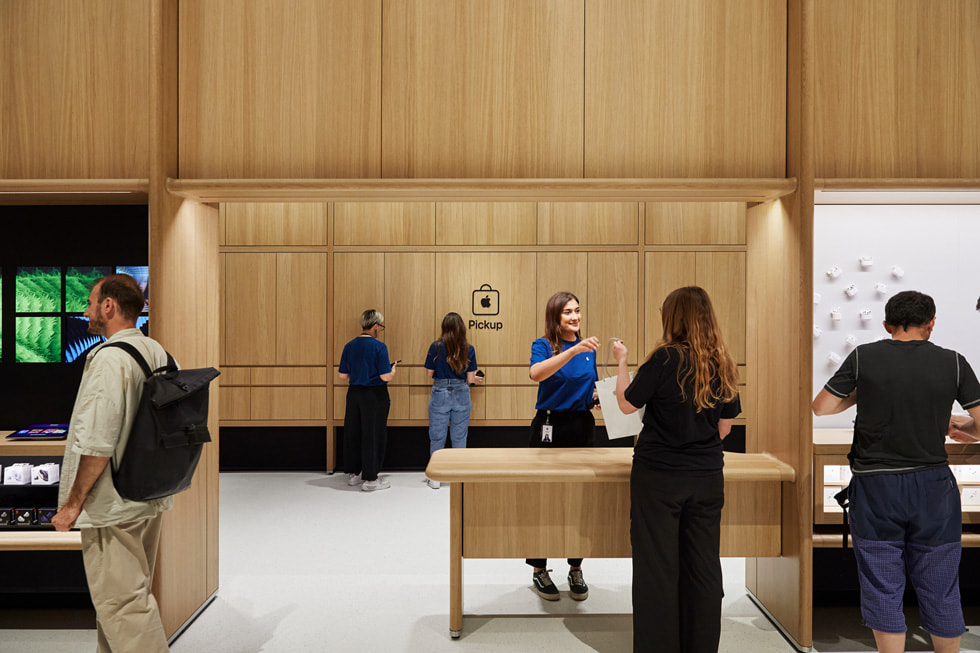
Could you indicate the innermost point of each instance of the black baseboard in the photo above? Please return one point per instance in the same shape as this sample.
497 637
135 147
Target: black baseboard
251 448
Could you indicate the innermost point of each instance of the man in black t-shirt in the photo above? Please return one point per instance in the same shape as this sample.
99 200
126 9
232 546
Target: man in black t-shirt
904 503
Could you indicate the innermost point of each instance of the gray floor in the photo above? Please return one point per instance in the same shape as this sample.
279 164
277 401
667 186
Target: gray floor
308 564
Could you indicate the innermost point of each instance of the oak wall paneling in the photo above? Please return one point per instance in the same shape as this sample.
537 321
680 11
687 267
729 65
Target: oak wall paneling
587 223
285 92
895 89
236 403
274 224
76 90
358 284
288 403
690 89
613 296
485 223
384 223
722 275
665 272
512 275
486 88
560 272
301 309
410 315
695 223
250 313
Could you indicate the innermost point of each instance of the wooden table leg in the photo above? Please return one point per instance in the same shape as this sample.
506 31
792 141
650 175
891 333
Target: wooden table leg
455 559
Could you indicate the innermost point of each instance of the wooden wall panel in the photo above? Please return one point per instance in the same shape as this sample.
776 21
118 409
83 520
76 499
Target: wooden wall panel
410 316
289 403
75 89
301 309
722 275
895 89
588 223
512 276
663 272
275 91
401 407
485 223
250 309
358 284
236 403
288 376
557 272
485 88
685 89
511 402
613 303
695 223
273 223
384 223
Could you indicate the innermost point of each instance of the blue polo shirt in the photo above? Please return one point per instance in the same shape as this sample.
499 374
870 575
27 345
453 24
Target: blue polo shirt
436 360
365 359
571 387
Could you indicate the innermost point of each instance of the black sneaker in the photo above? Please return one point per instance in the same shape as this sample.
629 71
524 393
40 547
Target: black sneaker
544 587
576 585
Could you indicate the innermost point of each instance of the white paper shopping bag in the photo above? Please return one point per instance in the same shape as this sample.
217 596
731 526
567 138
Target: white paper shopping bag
618 424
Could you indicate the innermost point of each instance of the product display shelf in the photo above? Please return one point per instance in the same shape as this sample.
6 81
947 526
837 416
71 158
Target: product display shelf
831 473
35 540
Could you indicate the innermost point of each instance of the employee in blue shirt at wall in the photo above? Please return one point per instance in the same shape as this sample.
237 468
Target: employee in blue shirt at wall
564 366
365 364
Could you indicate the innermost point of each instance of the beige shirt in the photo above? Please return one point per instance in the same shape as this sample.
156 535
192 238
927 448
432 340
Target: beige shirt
104 411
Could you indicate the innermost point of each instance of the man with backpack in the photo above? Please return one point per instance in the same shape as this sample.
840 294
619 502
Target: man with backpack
119 537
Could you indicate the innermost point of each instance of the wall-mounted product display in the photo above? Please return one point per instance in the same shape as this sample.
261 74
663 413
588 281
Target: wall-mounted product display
865 254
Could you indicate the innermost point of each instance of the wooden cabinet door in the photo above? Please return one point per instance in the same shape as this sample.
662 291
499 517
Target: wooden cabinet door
722 274
663 273
301 309
250 309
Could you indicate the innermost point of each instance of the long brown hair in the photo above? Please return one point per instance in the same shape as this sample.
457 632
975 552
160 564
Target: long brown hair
454 339
691 330
552 318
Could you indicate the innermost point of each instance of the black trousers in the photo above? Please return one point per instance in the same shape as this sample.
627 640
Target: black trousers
675 530
570 428
366 430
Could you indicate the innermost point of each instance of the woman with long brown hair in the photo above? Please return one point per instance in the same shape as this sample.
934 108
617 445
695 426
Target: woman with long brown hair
564 366
677 487
451 364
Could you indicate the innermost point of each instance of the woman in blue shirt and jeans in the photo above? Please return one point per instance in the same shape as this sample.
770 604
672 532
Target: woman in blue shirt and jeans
564 366
451 364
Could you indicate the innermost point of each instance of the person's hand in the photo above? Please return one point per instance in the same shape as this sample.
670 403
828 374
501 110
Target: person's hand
479 380
956 422
619 351
587 344
65 518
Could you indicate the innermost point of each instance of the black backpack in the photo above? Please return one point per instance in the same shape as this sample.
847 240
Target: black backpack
169 432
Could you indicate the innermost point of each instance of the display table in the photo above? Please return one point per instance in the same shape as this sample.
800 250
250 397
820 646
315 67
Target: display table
11 540
560 503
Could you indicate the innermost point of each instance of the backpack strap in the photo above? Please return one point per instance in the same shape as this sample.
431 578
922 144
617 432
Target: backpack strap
134 352
843 499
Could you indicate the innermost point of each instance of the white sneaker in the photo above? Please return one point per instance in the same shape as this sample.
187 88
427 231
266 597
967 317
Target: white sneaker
354 479
371 486
435 485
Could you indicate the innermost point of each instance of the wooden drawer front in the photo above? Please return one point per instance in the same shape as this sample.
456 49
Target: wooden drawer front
235 403
289 403
235 376
511 402
314 376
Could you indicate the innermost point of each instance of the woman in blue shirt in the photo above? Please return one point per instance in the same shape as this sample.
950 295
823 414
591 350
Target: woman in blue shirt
364 364
451 364
564 366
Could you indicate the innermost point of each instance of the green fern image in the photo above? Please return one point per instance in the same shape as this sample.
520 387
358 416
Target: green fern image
78 285
38 339
38 290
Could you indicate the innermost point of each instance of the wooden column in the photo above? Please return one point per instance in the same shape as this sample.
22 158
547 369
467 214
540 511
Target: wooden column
184 309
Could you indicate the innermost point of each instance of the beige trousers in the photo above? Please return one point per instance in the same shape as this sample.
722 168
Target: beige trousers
119 562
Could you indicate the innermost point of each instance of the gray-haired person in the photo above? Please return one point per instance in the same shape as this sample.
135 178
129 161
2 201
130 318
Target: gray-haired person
365 365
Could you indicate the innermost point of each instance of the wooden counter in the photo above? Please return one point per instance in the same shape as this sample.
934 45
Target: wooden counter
560 503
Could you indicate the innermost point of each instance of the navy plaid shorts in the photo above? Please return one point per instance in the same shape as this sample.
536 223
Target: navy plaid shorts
908 523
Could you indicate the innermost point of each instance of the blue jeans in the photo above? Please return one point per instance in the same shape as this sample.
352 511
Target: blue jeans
449 406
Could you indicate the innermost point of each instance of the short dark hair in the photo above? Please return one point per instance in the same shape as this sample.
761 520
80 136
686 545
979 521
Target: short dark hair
125 292
910 308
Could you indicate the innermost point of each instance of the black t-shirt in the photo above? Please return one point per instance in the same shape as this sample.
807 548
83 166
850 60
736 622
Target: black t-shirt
905 393
675 436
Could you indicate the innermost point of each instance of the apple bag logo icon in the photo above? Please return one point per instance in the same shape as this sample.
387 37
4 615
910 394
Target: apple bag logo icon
486 301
